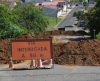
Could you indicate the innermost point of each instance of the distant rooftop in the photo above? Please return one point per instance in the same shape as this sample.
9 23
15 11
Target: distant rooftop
41 1
48 3
7 0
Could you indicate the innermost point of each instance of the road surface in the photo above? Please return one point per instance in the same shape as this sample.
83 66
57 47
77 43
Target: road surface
65 39
69 19
58 73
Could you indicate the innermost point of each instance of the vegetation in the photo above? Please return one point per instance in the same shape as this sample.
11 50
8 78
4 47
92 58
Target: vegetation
52 21
21 19
85 4
30 17
7 27
80 15
98 35
91 18
1 49
94 18
82 18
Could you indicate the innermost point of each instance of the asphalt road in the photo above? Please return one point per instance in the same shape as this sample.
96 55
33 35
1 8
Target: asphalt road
69 19
58 73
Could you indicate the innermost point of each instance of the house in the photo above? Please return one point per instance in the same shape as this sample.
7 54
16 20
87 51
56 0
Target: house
11 2
7 0
91 1
36 1
48 2
50 7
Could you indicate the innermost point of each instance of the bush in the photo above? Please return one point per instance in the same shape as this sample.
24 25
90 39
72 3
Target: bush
98 35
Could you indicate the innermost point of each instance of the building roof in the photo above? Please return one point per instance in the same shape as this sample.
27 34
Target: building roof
41 1
53 3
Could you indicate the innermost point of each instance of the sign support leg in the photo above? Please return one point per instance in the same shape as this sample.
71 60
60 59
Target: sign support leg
11 63
31 64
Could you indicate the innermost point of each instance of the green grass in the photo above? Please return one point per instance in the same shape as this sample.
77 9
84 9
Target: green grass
53 21
98 36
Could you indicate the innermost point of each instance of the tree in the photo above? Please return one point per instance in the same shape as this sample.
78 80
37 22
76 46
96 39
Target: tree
85 4
7 26
23 18
30 17
94 18
4 24
80 15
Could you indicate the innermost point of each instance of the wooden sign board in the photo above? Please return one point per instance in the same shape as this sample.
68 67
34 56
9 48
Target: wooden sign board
31 49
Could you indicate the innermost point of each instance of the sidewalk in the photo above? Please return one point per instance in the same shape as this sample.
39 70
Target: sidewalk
25 64
3 66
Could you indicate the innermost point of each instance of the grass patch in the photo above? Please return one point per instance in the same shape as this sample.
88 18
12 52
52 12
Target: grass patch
98 36
53 21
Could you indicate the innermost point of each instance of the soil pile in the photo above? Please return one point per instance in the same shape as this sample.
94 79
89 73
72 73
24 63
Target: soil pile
48 34
5 45
85 52
5 53
24 36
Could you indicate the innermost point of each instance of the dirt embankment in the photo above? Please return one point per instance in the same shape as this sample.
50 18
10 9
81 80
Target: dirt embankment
59 32
5 45
85 52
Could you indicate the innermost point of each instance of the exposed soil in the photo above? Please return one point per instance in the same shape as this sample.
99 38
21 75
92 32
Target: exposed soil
84 52
59 32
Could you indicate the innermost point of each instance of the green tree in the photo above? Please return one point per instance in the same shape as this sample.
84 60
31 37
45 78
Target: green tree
4 20
80 15
94 18
85 4
7 26
23 18
30 17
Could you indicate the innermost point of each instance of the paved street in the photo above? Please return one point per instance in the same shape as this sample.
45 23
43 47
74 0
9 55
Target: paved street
58 73
65 39
69 19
